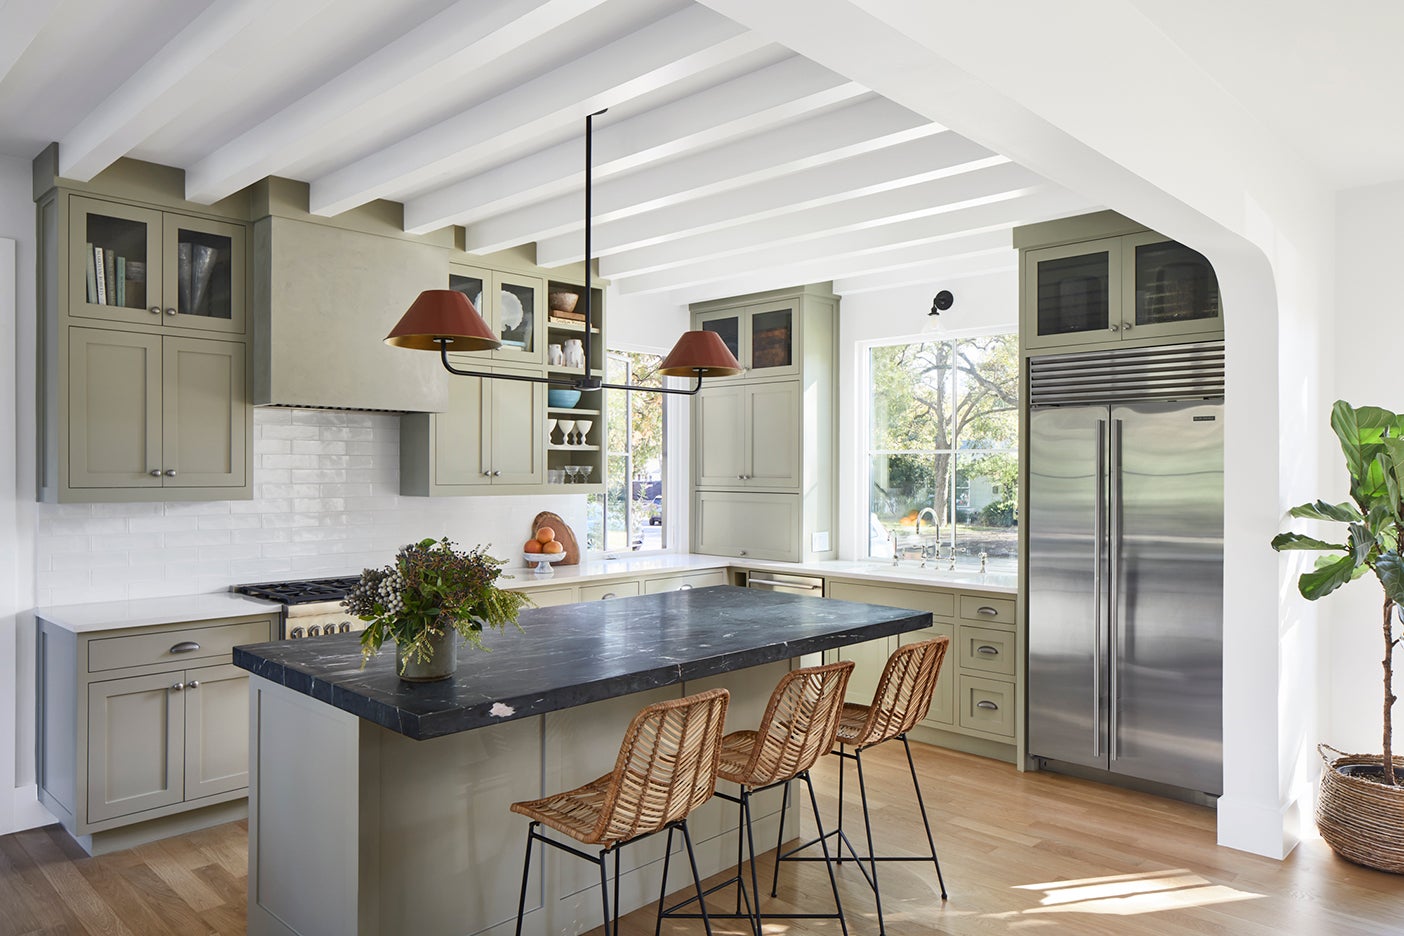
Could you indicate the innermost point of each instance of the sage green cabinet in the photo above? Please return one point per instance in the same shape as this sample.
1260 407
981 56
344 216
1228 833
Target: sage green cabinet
514 306
490 438
770 432
143 723
128 263
751 434
1132 286
155 411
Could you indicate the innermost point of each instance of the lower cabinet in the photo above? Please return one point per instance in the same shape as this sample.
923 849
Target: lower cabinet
142 724
975 694
747 525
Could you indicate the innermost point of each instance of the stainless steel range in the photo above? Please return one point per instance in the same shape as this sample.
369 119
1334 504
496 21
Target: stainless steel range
311 607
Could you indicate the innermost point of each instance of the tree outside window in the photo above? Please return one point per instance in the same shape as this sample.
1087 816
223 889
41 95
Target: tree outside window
631 514
944 436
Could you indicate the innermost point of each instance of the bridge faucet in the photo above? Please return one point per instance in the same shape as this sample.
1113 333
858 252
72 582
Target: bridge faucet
925 554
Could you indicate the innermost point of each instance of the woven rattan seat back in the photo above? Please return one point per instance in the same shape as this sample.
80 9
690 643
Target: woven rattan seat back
799 724
667 767
904 692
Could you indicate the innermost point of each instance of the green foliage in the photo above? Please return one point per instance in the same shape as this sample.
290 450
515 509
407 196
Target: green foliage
429 588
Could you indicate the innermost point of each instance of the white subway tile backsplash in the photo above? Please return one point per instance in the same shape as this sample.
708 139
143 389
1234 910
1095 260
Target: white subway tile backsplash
326 502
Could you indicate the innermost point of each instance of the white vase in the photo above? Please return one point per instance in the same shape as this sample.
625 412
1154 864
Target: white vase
574 353
554 356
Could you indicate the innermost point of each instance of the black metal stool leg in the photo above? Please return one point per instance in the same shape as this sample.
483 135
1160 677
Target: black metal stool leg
616 890
663 888
868 827
921 805
824 844
526 871
604 890
754 907
779 841
740 847
838 824
696 877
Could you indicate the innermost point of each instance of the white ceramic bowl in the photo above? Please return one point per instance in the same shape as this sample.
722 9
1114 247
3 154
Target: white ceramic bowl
542 561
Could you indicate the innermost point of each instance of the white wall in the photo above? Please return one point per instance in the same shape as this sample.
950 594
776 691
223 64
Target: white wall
1369 241
983 305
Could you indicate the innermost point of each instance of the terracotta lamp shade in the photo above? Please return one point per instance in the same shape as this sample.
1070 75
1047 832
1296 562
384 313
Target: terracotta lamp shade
442 313
700 354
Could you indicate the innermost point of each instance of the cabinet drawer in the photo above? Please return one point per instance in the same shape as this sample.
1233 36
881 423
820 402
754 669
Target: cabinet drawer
550 597
986 705
625 589
985 610
985 649
940 604
174 646
683 582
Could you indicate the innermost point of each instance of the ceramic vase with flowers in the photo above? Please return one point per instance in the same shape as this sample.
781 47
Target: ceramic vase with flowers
431 598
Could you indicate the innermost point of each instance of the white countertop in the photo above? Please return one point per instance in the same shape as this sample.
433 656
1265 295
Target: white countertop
114 615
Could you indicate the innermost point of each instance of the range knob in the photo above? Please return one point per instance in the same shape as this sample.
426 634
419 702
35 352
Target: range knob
314 630
295 633
345 627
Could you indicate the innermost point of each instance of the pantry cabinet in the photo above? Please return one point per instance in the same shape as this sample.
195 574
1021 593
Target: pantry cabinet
769 432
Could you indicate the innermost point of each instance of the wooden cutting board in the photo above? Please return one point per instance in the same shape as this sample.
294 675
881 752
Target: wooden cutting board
564 535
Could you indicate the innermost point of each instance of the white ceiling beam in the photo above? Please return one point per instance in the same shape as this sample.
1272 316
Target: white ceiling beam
985 263
868 124
23 20
906 164
165 85
712 117
437 53
676 47
927 272
856 251
873 213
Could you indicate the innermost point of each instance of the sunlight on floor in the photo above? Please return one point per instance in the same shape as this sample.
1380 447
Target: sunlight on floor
1129 894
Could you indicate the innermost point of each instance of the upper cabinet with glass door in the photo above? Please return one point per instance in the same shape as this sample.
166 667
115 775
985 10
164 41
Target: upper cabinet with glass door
764 338
514 306
149 267
1134 287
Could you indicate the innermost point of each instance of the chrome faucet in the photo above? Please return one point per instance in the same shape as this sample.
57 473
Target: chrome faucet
926 552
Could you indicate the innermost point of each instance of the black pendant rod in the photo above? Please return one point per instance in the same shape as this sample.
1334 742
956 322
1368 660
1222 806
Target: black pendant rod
589 214
573 383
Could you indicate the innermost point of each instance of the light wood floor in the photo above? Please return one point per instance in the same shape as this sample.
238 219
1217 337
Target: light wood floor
1022 853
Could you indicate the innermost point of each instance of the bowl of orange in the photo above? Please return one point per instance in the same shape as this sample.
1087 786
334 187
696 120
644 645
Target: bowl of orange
542 550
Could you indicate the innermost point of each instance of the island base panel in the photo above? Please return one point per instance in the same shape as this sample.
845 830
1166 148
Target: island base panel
356 829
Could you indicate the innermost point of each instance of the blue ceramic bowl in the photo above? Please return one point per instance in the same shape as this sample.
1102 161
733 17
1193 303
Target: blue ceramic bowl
562 398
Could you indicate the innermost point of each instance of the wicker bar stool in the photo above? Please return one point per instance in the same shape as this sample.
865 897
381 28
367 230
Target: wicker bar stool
667 767
902 699
798 727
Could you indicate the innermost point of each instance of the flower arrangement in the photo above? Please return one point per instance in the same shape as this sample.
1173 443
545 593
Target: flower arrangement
430 588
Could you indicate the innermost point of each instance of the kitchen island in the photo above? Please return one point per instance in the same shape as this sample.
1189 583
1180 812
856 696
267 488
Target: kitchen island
382 807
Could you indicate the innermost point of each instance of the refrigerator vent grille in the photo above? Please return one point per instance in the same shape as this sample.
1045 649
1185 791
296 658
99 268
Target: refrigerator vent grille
1167 372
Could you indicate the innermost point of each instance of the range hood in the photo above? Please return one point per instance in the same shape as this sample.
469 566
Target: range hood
323 298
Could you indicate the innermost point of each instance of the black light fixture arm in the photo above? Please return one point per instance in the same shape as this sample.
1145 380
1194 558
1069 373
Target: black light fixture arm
583 384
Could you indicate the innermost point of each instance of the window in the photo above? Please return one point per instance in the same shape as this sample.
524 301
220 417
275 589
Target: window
632 513
943 447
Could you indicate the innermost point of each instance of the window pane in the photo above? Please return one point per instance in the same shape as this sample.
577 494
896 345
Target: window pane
902 489
616 510
986 497
911 397
987 392
635 462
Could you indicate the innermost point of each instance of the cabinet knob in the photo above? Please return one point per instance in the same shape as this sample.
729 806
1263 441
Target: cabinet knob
497 474
170 311
155 310
487 474
1115 328
193 684
170 472
178 686
155 472
1125 326
741 552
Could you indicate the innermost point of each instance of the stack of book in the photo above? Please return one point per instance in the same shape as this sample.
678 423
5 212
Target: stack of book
566 318
114 280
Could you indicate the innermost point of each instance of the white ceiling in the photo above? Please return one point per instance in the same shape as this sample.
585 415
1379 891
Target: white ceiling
1326 77
725 164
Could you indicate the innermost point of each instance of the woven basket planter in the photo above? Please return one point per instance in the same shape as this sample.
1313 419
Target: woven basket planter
1362 821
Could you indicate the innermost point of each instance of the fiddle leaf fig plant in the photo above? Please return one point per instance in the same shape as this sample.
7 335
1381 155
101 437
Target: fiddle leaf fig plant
1372 440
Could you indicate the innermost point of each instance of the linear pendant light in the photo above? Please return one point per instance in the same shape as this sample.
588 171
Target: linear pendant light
441 319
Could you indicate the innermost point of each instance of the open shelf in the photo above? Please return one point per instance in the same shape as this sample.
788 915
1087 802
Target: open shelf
572 448
576 411
576 327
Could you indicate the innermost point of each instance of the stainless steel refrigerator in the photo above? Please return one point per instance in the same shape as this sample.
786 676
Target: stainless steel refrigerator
1125 563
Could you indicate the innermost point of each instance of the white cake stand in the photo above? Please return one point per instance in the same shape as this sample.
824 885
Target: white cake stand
543 561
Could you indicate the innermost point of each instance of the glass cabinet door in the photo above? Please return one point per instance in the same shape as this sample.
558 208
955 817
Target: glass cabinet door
520 304
203 274
1170 289
770 341
1073 290
727 325
114 262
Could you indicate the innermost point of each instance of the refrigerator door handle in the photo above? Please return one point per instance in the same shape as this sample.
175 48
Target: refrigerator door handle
1098 525
1113 618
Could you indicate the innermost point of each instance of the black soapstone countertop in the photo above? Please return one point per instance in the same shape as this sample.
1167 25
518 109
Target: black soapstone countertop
575 654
